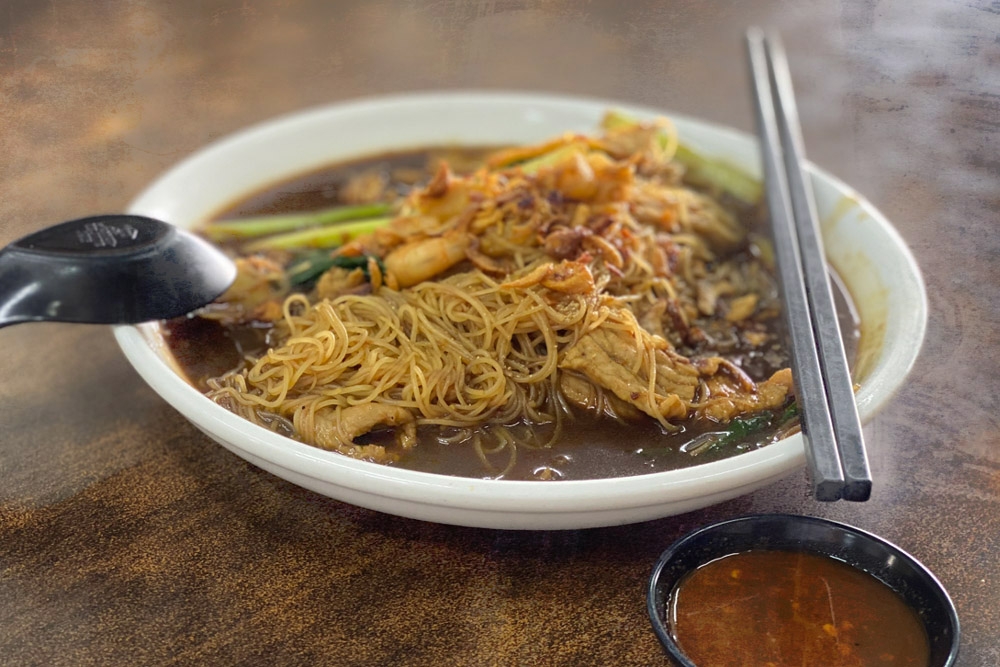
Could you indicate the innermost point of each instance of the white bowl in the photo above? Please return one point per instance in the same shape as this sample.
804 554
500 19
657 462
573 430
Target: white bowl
873 260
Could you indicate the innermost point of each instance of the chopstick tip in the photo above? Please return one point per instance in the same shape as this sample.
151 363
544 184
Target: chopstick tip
754 34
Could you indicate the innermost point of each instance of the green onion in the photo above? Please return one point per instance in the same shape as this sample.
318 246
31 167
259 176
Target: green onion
253 227
719 173
702 170
548 159
317 237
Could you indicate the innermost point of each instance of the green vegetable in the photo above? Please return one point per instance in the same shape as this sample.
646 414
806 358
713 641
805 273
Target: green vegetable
245 228
742 428
789 413
310 267
737 430
317 237
719 173
702 170
552 157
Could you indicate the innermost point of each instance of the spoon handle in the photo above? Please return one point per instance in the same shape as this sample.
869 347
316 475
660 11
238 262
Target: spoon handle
16 290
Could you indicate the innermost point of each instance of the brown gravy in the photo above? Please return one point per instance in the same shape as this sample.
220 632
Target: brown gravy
777 608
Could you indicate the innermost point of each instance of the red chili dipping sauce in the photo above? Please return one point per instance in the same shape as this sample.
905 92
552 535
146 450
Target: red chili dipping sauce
778 608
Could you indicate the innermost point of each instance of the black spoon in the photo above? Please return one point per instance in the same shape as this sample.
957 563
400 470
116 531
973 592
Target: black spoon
109 269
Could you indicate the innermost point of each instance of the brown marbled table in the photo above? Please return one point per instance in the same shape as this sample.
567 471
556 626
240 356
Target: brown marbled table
128 537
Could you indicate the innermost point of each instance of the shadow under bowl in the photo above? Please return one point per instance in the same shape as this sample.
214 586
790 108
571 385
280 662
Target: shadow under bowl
913 582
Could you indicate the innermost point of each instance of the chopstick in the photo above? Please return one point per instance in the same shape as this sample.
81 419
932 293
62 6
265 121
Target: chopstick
835 448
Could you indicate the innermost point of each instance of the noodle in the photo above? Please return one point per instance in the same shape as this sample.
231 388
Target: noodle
498 304
440 348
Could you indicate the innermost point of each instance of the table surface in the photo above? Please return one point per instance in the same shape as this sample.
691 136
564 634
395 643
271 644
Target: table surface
128 537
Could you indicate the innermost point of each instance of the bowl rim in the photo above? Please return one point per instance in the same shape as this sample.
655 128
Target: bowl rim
655 594
522 496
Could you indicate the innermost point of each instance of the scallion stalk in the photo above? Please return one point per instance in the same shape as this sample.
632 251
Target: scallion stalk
317 237
702 170
265 225
551 158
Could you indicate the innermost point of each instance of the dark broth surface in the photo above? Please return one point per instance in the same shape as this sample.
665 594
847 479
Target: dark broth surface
778 608
588 447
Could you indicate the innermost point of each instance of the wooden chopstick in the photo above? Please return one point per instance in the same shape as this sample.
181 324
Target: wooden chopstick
835 447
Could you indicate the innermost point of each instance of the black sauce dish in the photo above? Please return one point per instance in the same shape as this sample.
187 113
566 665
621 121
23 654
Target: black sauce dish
913 582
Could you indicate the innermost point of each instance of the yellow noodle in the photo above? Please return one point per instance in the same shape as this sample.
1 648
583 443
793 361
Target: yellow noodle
463 352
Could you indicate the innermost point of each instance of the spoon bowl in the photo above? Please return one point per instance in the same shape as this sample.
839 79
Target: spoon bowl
109 269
